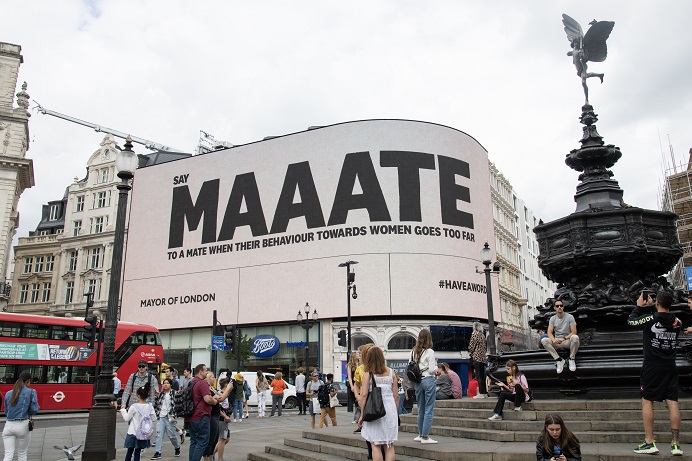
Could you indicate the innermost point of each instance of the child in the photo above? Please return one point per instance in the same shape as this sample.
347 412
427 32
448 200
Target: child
134 414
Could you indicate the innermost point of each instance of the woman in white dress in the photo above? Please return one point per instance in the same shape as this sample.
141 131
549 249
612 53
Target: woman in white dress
383 432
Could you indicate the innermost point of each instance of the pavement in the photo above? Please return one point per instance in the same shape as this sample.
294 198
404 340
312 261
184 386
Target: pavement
253 434
250 435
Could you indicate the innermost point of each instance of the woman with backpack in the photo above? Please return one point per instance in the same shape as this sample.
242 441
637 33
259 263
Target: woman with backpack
165 409
141 416
20 404
238 397
424 356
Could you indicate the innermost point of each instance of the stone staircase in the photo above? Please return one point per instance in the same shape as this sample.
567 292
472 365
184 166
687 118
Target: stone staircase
607 429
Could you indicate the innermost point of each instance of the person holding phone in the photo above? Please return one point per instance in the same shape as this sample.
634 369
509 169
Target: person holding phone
562 334
556 442
516 390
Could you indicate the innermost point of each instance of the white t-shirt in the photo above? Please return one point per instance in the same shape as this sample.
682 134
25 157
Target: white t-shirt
132 413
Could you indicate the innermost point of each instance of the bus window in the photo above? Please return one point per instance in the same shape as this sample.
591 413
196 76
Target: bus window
37 373
10 329
56 374
137 338
35 331
7 374
151 338
60 332
82 375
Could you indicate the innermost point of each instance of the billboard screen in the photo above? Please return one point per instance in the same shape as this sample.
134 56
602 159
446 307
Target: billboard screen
258 230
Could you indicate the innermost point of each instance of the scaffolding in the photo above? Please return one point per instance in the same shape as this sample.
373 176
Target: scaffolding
676 196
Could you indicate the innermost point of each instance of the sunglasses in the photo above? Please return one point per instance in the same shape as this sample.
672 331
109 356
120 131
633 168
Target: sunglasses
559 305
142 366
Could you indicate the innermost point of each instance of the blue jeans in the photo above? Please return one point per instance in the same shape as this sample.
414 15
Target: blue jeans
238 407
199 438
425 396
402 399
165 425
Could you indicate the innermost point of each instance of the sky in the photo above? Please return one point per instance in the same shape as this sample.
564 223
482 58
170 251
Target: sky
498 71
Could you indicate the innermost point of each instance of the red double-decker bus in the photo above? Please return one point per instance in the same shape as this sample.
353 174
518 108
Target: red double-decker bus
53 350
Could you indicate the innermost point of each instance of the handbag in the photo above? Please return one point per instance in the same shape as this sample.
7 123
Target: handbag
374 406
413 372
31 423
333 401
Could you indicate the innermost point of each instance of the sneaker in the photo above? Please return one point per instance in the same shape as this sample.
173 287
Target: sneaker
428 440
235 421
157 455
560 365
177 452
418 439
572 365
182 437
647 448
480 396
517 409
675 450
495 417
357 430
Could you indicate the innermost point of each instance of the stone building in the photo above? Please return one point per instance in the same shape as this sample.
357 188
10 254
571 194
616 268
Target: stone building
16 171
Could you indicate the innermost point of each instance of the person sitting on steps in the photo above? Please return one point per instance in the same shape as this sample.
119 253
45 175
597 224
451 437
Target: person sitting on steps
562 334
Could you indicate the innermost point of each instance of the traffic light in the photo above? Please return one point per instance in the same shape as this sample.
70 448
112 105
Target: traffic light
229 336
90 330
342 338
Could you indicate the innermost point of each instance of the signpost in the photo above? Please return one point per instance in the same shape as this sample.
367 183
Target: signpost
218 344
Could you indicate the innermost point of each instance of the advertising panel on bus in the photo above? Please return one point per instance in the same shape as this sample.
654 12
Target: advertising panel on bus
253 229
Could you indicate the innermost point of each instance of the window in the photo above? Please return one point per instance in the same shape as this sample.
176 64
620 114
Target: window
93 286
102 199
73 261
77 227
80 204
33 330
95 258
23 293
402 341
54 213
39 264
104 175
10 329
360 340
97 224
34 292
43 232
69 291
49 263
28 264
45 297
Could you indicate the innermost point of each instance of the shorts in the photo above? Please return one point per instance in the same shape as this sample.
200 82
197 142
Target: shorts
659 384
224 432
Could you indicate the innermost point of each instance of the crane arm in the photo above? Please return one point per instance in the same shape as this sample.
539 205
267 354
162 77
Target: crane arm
102 129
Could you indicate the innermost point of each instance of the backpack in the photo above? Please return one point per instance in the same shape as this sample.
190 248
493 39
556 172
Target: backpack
146 425
323 395
185 402
131 383
247 390
413 372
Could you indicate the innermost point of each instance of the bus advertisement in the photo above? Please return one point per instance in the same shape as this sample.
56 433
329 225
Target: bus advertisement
62 367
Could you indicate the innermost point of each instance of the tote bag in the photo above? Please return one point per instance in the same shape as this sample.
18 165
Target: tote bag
374 406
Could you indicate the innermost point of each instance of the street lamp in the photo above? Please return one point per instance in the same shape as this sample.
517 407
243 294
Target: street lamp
350 283
486 257
307 323
100 436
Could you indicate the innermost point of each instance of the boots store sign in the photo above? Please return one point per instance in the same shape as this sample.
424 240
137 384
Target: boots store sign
255 230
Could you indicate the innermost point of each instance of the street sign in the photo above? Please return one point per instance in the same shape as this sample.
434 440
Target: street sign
218 344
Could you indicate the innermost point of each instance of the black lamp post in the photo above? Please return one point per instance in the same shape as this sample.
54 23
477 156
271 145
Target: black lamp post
307 323
486 257
350 283
100 436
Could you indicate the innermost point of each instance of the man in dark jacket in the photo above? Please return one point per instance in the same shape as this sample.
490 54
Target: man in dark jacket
659 375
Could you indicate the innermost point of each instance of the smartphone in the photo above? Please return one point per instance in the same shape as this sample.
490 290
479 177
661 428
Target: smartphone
646 294
556 451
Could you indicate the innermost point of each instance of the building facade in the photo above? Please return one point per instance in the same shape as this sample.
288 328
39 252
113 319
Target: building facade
16 171
677 197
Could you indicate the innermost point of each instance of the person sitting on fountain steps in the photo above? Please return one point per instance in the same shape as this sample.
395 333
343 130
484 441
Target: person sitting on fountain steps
562 334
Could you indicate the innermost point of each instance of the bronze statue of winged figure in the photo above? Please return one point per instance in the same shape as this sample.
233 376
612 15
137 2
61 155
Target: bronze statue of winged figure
590 47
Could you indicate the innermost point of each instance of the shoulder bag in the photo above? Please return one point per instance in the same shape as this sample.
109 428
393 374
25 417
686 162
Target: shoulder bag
374 406
413 372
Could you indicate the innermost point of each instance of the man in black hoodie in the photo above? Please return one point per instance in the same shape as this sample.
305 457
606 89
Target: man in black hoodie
659 376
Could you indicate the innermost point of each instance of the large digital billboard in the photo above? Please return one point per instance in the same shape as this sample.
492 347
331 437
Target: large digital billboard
258 230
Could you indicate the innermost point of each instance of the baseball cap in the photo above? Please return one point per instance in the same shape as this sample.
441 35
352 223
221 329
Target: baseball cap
142 362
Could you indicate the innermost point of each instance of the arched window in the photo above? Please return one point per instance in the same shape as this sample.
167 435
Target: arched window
360 340
401 341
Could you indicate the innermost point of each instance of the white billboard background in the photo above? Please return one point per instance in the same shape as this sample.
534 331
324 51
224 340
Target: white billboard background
397 274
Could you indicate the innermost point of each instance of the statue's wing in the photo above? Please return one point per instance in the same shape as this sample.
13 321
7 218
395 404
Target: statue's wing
595 49
572 28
